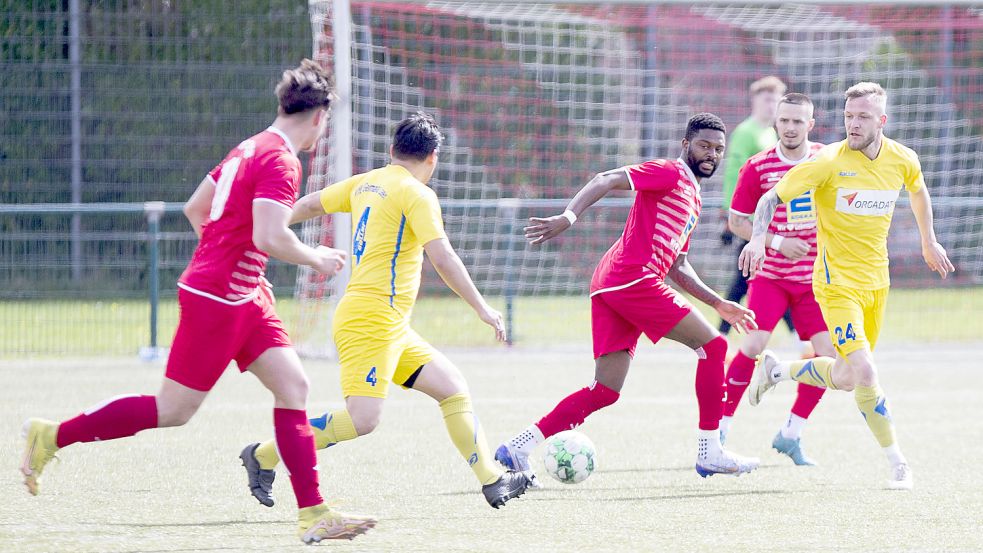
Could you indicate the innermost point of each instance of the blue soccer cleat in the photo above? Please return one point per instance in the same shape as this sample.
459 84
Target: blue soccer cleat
513 459
792 448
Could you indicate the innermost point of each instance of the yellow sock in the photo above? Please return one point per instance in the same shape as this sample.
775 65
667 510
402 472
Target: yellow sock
817 371
329 429
469 438
873 405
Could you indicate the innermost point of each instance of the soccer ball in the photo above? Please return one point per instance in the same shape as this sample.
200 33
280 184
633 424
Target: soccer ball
569 457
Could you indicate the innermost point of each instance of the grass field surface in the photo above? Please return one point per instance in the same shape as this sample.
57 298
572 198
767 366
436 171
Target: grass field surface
182 489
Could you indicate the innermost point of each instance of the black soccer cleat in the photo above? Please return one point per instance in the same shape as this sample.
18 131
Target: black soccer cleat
260 480
512 484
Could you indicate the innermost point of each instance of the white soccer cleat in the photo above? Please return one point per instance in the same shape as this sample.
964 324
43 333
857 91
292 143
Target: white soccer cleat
725 462
513 459
901 477
761 380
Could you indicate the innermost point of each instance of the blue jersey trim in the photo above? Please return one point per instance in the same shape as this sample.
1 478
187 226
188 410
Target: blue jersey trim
399 242
825 266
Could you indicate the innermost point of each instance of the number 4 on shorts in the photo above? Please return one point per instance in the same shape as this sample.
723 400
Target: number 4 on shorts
371 378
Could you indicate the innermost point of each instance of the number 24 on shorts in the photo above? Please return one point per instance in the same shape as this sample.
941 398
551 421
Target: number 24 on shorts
842 337
371 378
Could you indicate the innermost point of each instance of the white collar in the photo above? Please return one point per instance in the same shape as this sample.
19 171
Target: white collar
283 135
689 173
781 156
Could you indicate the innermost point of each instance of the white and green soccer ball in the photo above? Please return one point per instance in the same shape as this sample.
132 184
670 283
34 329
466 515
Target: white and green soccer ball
569 457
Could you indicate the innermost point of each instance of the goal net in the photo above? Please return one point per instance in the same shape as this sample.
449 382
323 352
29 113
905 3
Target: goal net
535 98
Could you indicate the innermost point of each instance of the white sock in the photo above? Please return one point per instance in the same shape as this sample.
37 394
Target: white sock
725 424
708 443
527 440
894 455
781 371
793 427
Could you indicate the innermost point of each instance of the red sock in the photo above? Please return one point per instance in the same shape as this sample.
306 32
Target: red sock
117 417
806 400
710 383
740 371
295 442
573 409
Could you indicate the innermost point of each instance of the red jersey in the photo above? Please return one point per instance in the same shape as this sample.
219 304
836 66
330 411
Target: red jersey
796 219
663 215
227 266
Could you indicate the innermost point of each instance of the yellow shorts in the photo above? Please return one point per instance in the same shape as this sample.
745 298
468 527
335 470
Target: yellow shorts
376 346
853 316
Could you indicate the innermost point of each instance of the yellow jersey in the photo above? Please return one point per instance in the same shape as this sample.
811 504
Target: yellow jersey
854 199
393 216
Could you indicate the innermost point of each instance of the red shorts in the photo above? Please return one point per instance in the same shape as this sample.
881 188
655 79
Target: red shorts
769 298
210 334
619 317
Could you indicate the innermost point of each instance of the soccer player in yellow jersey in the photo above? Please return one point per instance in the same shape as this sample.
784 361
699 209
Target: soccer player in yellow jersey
395 218
855 184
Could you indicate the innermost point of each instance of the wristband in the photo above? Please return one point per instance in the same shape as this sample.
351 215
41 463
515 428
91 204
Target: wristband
776 241
570 216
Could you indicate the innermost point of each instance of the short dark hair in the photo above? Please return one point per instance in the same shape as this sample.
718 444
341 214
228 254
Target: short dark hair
704 121
305 88
416 137
796 99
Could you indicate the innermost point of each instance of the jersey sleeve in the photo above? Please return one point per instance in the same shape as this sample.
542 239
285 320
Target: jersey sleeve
808 175
656 175
423 216
337 198
914 179
278 180
748 190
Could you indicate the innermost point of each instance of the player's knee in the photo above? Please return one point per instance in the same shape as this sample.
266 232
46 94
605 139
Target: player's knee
365 421
292 391
174 415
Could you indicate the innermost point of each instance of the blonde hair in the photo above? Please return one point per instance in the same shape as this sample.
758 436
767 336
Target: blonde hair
770 83
861 90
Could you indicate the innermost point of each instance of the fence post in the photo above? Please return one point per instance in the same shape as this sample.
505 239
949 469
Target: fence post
153 211
509 208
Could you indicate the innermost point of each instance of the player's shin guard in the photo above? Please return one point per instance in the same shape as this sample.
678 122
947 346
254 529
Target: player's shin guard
329 429
817 371
806 400
573 409
710 382
118 417
738 377
295 441
469 438
873 406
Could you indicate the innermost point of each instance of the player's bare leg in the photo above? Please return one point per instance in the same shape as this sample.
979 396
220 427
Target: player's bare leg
441 380
711 348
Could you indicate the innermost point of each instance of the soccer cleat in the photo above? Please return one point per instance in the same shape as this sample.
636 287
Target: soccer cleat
324 523
260 479
514 459
727 463
761 380
901 477
792 448
512 484
40 435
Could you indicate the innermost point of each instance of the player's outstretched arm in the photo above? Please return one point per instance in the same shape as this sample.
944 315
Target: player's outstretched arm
753 254
543 229
271 234
455 274
198 206
683 274
933 252
306 208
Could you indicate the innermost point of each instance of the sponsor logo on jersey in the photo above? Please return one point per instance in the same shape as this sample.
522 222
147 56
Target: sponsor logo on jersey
848 173
866 202
802 210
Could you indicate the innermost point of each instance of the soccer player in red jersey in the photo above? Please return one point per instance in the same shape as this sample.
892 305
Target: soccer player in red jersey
240 211
785 280
630 296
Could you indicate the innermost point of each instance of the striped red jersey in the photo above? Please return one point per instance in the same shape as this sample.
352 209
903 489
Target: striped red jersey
795 219
666 207
227 266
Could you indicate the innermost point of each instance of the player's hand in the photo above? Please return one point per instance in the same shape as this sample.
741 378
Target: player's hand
937 259
737 315
794 248
541 230
493 318
329 260
752 256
